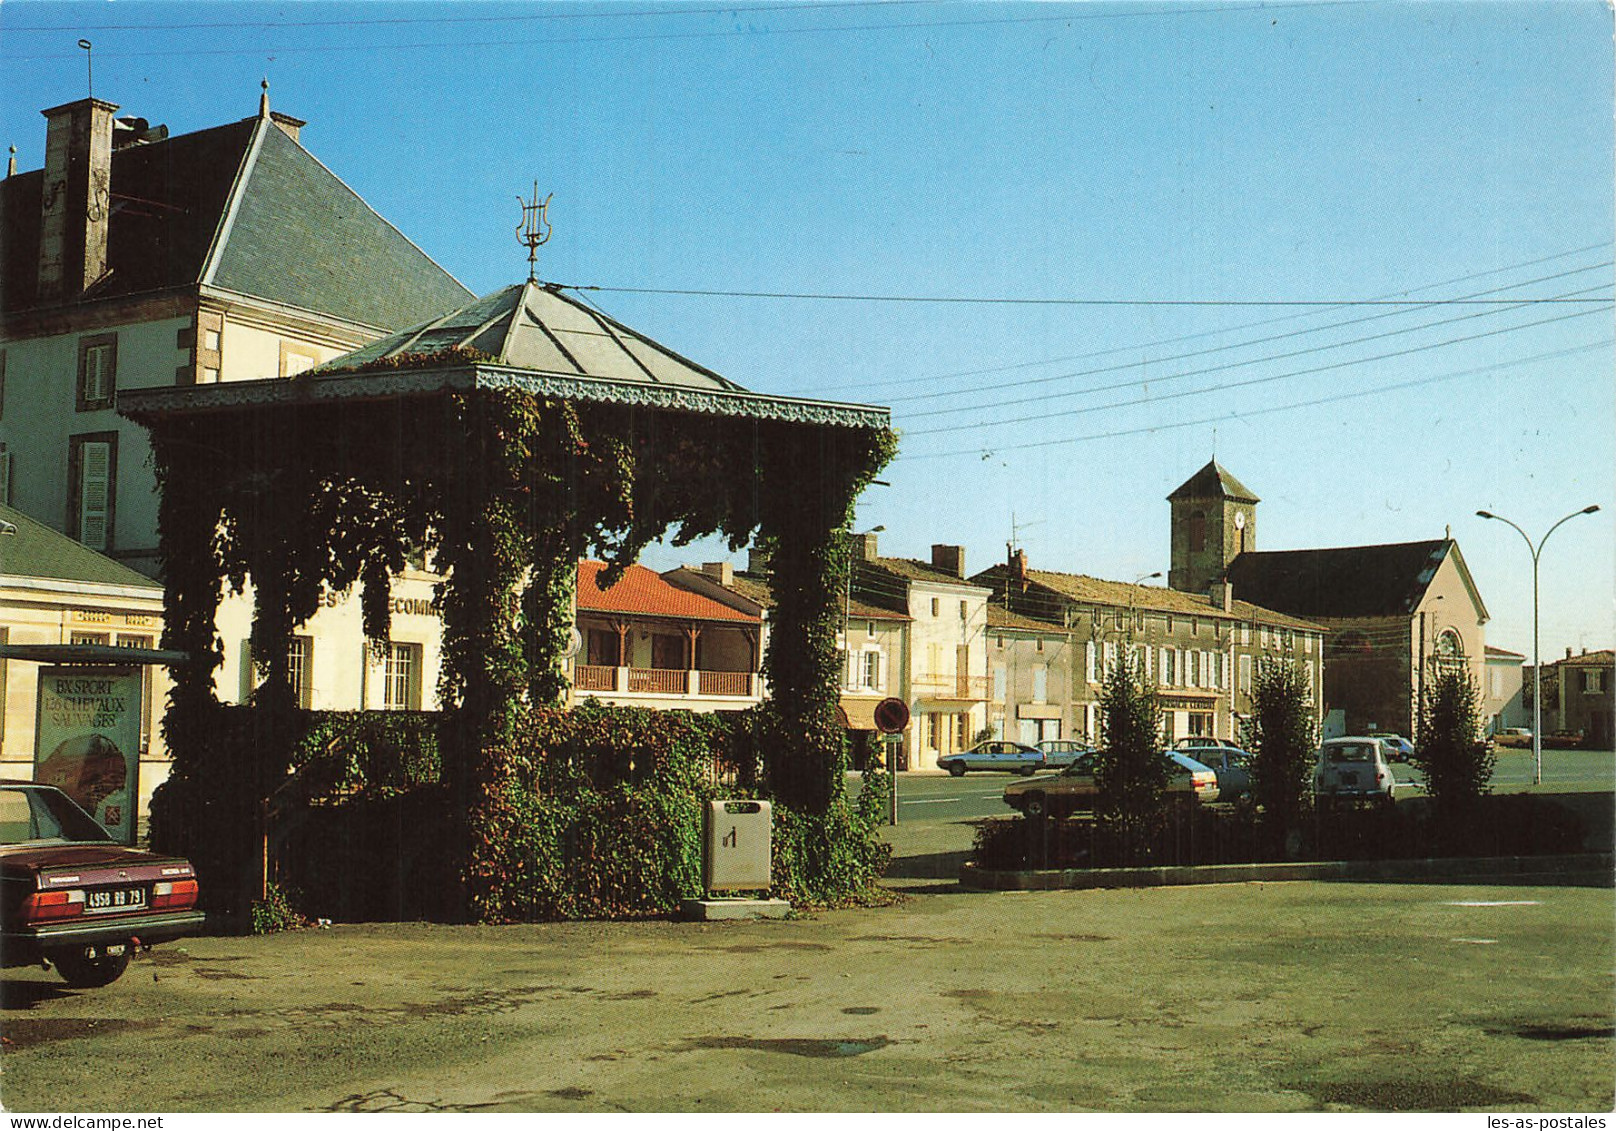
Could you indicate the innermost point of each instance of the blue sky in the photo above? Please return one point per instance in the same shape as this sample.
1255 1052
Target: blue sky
1126 183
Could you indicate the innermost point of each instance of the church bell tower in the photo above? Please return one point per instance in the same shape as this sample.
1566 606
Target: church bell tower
1214 521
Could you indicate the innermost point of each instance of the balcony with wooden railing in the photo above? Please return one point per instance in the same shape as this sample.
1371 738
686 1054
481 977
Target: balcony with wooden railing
663 683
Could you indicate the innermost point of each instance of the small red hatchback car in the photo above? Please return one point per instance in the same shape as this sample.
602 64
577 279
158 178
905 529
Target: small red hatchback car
72 896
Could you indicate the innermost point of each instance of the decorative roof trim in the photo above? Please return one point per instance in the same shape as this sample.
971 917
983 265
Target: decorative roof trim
140 404
680 398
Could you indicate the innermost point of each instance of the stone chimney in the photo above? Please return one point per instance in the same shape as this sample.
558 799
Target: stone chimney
949 559
290 126
864 547
75 198
757 561
1222 595
721 572
1018 567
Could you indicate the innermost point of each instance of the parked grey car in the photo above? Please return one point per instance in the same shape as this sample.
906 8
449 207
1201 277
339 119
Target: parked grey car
1062 752
1398 748
1231 764
1354 769
997 754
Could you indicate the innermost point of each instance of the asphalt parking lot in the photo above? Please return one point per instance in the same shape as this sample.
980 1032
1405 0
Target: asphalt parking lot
1254 997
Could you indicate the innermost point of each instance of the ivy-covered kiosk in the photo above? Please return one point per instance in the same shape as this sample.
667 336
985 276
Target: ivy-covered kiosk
505 439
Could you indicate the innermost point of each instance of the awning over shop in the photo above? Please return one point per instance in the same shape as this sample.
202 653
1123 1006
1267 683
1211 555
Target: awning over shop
109 655
856 714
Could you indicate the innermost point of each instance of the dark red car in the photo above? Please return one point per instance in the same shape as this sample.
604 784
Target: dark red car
72 896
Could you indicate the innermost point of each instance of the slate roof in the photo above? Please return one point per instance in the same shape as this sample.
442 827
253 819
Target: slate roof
536 327
301 237
244 208
644 592
1343 582
38 551
1082 590
1214 482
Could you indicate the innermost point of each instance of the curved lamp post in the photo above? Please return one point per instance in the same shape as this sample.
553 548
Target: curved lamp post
1143 577
1537 663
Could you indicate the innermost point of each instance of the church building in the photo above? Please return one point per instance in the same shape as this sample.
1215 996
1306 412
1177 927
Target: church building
1395 613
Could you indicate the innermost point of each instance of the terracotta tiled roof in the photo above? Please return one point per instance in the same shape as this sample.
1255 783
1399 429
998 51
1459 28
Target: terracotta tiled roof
1503 653
911 570
754 588
1000 617
643 592
1603 658
1081 590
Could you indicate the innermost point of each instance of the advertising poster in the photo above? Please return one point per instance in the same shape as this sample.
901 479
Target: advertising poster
88 741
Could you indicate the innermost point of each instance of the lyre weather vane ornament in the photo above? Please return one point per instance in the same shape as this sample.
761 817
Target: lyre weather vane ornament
534 230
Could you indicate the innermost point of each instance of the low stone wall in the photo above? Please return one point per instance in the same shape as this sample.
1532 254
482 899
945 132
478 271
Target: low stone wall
1592 869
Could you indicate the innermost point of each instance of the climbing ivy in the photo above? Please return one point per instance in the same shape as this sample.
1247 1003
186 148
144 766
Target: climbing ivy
504 491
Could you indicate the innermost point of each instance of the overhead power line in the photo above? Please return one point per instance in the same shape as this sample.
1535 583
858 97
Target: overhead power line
1004 300
989 451
1045 398
751 30
526 17
1156 399
1173 341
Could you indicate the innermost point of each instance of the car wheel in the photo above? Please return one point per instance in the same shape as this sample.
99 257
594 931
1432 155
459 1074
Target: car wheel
88 973
957 769
1034 806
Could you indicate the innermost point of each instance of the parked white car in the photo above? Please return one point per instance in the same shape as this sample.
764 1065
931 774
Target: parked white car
1354 769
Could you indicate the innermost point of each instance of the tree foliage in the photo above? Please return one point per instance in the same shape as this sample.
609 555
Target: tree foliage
1282 736
1448 747
504 491
1130 773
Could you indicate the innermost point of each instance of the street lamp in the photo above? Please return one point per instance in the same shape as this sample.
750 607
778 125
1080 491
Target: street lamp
1537 662
1131 595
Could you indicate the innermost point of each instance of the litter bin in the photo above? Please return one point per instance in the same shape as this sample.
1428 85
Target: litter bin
738 845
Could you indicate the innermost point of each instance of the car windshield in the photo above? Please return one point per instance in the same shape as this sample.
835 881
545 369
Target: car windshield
35 814
1350 752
